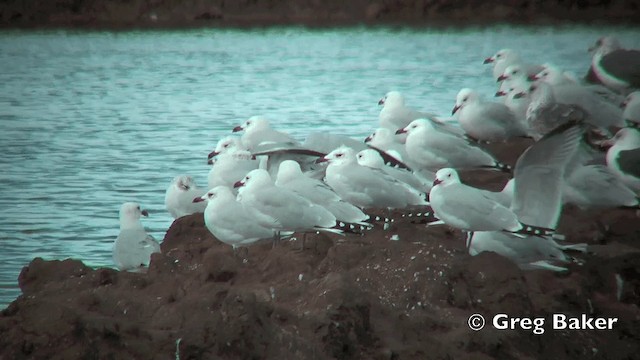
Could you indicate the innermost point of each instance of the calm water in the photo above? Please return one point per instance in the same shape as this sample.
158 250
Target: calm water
89 120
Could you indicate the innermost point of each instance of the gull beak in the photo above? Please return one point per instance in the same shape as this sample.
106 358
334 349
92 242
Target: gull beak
519 95
144 213
212 154
368 139
502 77
455 109
624 103
488 60
436 182
401 131
238 184
533 77
381 101
237 128
210 161
606 144
198 199
500 93
321 160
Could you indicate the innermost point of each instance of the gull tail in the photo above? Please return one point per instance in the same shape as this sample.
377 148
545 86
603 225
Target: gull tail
532 230
353 228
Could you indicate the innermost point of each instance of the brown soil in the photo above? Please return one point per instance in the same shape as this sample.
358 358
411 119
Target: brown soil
351 297
179 13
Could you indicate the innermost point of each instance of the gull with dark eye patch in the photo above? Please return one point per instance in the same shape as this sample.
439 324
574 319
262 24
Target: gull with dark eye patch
179 195
133 248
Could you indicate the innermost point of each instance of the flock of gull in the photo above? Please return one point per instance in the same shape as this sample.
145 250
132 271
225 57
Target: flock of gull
265 184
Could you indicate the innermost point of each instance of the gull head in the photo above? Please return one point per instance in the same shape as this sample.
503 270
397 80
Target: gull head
255 178
512 72
503 55
415 126
605 45
446 176
217 193
626 138
464 97
391 99
131 212
183 182
288 170
370 158
632 98
550 74
254 123
225 145
381 136
340 156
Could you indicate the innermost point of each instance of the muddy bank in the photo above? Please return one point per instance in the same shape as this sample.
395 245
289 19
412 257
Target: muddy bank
194 13
352 297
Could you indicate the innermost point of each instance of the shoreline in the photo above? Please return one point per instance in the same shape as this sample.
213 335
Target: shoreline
164 15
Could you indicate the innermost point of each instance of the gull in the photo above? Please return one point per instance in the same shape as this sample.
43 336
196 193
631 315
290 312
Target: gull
470 209
601 113
371 158
366 187
395 114
485 120
257 131
554 76
432 148
291 177
505 57
178 199
631 105
280 209
231 166
133 248
385 139
623 157
537 200
226 145
544 113
229 221
595 186
514 76
615 67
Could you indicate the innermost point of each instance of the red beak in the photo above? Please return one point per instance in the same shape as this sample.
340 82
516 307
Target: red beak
212 154
321 160
488 60
519 95
238 184
500 93
238 128
368 139
381 102
198 199
455 109
401 131
502 78
436 182
533 77
623 104
144 213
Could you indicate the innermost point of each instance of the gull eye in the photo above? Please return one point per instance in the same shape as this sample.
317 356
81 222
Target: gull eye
338 155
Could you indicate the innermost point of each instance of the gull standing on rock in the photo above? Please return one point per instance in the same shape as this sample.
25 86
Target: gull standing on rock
485 120
290 177
178 199
280 209
432 148
470 209
366 187
229 221
133 248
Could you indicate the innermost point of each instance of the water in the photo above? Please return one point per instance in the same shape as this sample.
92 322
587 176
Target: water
89 120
